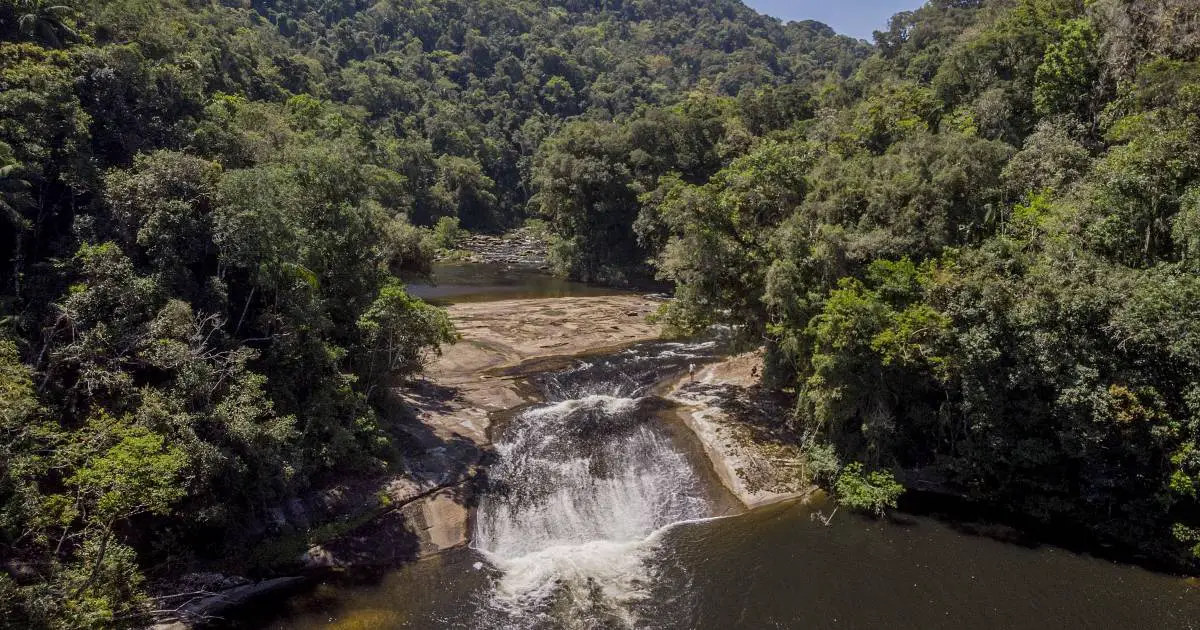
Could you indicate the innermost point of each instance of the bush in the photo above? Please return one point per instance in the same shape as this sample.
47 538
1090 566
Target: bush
822 463
447 233
537 227
867 492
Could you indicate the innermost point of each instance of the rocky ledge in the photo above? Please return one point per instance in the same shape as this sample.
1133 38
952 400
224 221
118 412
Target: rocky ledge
740 425
524 246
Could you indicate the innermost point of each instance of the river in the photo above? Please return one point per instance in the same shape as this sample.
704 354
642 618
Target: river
601 513
469 282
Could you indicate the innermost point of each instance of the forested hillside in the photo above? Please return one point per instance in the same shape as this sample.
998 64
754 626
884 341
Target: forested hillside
971 249
209 210
974 262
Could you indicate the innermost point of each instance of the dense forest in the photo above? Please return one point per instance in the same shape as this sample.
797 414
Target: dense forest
974 262
209 211
970 248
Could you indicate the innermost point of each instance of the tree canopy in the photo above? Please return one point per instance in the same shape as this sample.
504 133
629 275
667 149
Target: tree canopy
970 247
972 261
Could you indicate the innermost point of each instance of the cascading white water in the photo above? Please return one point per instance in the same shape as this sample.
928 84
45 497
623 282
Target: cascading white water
582 488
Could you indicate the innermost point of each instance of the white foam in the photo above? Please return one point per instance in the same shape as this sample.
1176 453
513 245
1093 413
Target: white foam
608 404
581 521
615 569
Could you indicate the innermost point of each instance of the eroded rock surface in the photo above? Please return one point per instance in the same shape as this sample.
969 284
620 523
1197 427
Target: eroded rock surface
742 428
474 377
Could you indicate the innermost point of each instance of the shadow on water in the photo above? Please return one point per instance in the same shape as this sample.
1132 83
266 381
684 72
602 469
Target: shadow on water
971 518
778 568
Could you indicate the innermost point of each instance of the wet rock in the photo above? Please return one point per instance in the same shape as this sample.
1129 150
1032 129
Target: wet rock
519 247
422 527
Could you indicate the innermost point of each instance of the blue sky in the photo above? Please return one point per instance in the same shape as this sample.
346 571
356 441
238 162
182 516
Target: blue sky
857 18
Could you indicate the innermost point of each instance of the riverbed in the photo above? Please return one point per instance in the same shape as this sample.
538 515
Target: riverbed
600 512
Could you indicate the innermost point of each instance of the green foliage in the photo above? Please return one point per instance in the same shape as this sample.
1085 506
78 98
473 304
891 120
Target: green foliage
461 190
19 429
1069 71
447 233
822 464
197 227
1185 228
1051 160
586 191
970 249
874 492
137 474
397 328
974 256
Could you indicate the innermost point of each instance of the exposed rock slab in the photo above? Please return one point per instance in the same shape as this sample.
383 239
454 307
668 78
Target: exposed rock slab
445 519
427 525
468 382
741 428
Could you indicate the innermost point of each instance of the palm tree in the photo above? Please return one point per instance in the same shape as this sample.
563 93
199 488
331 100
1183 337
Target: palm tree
45 22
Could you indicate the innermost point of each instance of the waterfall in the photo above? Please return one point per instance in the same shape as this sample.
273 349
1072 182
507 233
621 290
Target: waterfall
583 486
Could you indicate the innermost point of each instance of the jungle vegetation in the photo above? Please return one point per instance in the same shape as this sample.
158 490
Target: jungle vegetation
209 210
970 247
974 262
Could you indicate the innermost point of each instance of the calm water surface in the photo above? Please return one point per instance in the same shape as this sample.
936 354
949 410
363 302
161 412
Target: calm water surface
460 282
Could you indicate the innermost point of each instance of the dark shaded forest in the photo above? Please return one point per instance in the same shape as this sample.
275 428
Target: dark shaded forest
970 247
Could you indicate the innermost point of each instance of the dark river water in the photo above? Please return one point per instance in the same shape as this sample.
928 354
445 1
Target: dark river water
777 568
480 282
603 515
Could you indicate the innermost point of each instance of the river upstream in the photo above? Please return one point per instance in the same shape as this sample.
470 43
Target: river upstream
601 512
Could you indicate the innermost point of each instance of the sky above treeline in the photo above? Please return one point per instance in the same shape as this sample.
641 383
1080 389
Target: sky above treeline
857 18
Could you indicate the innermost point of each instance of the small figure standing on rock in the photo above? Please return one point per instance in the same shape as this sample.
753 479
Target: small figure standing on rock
691 371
